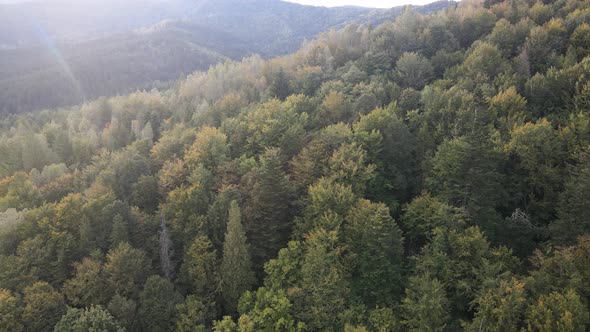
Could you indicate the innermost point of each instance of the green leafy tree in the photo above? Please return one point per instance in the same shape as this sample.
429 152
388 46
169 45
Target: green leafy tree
312 161
157 305
390 146
124 169
384 319
540 12
412 70
144 193
376 245
448 114
266 310
13 275
463 261
500 308
348 166
334 108
558 312
125 312
172 144
542 44
509 110
125 270
425 307
541 152
225 325
236 268
184 211
509 37
36 152
276 124
466 173
561 268
326 206
94 318
285 271
580 40
10 312
209 149
194 314
484 62
88 285
44 306
35 256
172 175
425 214
19 192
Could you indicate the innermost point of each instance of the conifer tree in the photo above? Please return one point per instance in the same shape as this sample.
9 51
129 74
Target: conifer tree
324 283
236 267
279 87
269 219
199 269
119 233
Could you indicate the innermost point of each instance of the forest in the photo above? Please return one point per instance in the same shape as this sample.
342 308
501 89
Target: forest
56 53
431 173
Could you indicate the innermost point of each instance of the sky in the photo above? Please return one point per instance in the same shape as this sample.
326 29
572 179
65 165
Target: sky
331 3
363 3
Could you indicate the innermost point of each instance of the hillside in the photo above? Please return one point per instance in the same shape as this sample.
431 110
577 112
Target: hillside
58 53
431 173
29 22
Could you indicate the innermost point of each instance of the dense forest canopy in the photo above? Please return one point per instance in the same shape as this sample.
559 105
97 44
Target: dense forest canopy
428 174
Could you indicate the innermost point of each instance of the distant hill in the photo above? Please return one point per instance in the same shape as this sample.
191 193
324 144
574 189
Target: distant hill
28 23
57 53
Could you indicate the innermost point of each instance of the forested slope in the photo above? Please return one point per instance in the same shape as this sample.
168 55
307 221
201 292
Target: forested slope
430 174
56 53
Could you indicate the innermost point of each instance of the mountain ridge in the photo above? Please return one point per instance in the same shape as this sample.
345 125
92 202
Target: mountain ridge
184 37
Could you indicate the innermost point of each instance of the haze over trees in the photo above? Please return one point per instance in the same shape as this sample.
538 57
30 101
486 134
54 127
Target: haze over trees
56 53
427 174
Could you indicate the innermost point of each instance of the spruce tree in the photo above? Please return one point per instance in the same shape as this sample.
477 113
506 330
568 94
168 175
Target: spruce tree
269 218
119 233
279 87
199 269
236 268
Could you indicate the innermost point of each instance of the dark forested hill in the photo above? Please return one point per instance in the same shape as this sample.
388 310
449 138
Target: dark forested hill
59 53
430 173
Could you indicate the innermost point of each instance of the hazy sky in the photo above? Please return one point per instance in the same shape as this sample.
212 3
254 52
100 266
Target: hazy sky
364 3
329 3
